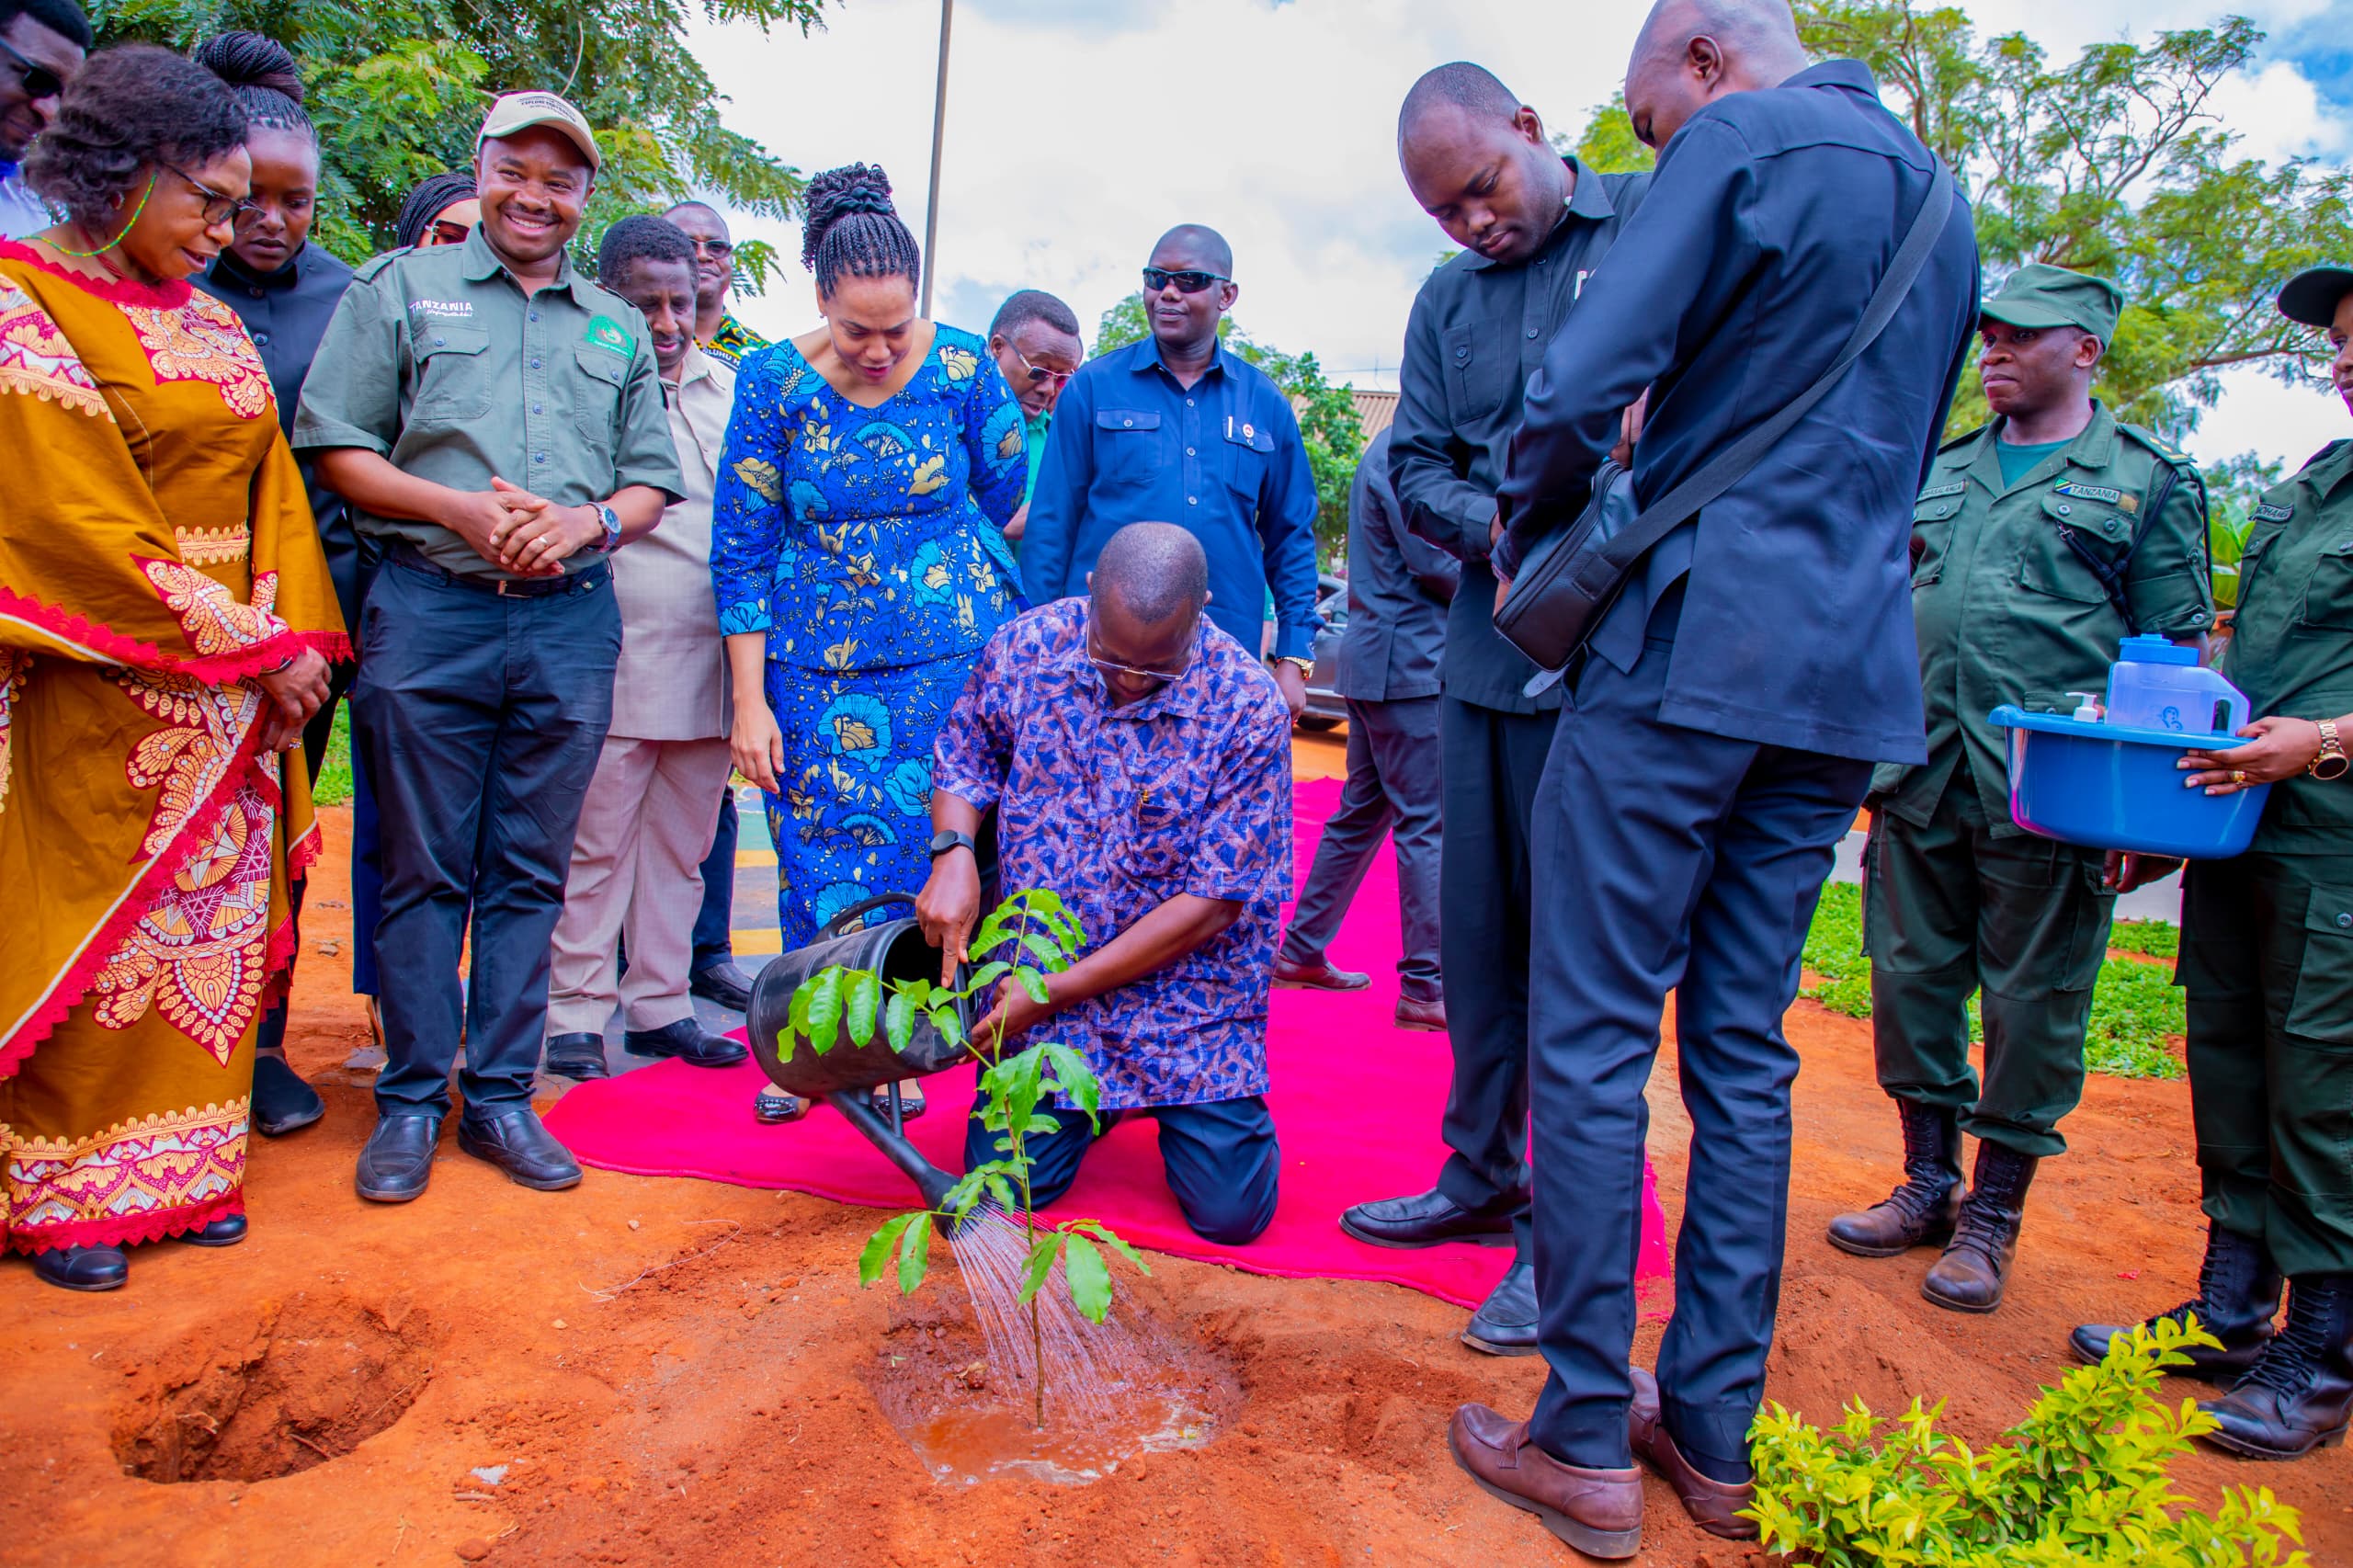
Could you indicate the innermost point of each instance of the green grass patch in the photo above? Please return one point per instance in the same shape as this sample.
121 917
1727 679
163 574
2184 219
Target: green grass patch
333 786
2136 1008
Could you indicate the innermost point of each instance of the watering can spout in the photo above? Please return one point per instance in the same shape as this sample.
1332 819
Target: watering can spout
859 1112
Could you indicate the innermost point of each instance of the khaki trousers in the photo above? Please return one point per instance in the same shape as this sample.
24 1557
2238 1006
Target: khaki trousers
636 878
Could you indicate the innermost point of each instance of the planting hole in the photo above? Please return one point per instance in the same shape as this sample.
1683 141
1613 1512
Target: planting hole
250 1400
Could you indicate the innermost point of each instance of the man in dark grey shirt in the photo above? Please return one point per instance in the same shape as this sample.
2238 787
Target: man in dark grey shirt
1532 226
1398 590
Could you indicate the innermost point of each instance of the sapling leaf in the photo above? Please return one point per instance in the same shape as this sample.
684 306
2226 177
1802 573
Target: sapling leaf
1034 984
825 1009
1090 1282
870 1261
864 999
1110 1238
1049 953
1040 1123
1040 1264
1076 1079
797 1014
988 975
899 1022
784 1045
959 1199
914 1252
1002 1190
950 1026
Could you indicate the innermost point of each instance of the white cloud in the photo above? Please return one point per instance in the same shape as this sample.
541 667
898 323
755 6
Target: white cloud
1077 132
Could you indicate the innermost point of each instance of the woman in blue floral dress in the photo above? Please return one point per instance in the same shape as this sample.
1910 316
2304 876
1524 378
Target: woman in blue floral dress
858 556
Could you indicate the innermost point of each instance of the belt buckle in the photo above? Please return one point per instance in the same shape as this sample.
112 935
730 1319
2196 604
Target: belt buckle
504 584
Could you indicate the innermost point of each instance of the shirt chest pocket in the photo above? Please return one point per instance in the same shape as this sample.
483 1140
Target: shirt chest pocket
452 375
2049 563
596 394
1127 445
1151 851
1250 452
1482 363
1932 529
2329 598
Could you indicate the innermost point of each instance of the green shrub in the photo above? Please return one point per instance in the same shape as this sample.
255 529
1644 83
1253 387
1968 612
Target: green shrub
333 786
2082 1480
2136 1008
2156 938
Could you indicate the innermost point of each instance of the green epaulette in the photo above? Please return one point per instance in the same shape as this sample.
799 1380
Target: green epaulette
366 271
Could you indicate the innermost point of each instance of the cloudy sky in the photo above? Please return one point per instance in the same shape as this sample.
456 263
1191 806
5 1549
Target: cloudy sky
1079 129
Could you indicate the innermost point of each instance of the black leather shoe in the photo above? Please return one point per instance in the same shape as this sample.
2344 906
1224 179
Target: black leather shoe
2298 1394
724 983
518 1143
225 1232
1505 1324
578 1057
282 1102
689 1042
2238 1295
1424 1220
83 1268
398 1160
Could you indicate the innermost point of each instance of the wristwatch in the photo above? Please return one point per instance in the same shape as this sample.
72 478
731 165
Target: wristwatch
2332 762
612 521
1304 666
948 838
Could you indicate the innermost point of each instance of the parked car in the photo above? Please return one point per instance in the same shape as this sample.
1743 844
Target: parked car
1325 707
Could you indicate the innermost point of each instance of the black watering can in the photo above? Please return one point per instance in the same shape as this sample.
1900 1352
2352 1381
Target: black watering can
846 1075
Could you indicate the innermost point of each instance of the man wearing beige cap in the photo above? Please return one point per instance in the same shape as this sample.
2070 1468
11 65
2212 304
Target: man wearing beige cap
2038 542
495 421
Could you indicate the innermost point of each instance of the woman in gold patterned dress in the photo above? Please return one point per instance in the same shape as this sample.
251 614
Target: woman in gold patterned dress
163 613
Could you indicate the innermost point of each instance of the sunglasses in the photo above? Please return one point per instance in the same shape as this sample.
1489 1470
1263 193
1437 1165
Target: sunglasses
1155 278
1040 375
40 81
718 250
1113 666
218 206
448 232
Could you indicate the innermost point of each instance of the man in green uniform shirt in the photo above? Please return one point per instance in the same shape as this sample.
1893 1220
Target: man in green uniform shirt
2267 958
2037 542
495 420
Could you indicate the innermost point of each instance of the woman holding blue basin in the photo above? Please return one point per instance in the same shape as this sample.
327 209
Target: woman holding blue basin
2266 959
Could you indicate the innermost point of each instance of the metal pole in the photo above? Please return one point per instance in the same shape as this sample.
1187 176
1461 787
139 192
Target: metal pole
938 130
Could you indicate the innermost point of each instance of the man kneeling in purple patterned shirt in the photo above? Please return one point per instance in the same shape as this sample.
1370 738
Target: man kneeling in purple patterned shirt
1139 759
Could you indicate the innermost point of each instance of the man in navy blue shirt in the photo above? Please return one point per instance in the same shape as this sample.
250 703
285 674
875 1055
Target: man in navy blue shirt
1720 734
1176 428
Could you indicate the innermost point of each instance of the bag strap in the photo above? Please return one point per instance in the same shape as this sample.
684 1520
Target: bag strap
1655 521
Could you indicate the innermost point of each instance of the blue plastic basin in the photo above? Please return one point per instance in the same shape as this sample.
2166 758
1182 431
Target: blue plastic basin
2110 788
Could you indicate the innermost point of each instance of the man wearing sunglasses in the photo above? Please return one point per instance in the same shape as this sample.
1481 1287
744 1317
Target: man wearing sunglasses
1035 342
716 329
41 45
1178 428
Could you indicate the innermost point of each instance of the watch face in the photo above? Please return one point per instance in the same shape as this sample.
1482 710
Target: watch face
2333 766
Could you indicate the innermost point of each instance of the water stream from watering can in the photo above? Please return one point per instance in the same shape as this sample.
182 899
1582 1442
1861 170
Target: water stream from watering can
1112 1390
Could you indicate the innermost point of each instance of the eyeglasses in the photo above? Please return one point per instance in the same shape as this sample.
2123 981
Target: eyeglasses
1155 278
448 232
1113 666
218 206
1040 375
718 250
40 81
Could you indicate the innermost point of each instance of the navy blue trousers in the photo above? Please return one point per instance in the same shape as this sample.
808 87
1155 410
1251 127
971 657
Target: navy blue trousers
1222 1158
485 715
714 942
1665 858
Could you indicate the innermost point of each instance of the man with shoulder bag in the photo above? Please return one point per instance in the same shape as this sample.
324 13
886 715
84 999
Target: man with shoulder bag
1796 291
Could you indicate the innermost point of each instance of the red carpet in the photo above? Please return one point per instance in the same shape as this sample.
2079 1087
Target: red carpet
1356 1100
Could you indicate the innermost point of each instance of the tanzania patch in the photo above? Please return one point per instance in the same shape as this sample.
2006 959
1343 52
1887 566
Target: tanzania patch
1934 491
2273 512
2090 492
607 333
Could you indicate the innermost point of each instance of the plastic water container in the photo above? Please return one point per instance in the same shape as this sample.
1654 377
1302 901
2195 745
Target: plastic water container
2113 783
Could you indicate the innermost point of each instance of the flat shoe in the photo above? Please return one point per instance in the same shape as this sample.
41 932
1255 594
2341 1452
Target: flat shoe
82 1269
282 1102
225 1232
911 1104
774 1107
688 1041
518 1142
579 1057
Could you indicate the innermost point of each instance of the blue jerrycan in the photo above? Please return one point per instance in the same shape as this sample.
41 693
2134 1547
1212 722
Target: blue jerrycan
2157 685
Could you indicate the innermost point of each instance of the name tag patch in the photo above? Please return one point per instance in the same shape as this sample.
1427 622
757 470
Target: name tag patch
2116 498
453 308
2273 512
607 333
1934 491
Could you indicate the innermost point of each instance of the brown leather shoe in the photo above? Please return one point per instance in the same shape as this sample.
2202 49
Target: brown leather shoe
1600 1512
1714 1505
1317 977
1413 1015
1975 1266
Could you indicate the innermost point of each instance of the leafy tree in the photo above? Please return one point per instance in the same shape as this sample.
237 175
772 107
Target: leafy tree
398 88
1327 414
2114 163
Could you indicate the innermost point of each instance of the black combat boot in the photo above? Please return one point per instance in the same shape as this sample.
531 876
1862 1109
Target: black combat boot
1922 1210
1970 1276
2238 1295
2297 1395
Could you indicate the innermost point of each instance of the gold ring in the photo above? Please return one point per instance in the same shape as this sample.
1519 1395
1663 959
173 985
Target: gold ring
2238 776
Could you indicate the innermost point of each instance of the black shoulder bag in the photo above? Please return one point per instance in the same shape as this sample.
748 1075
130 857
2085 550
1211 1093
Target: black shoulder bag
1569 581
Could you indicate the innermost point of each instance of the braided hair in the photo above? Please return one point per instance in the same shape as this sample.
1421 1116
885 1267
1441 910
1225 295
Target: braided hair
853 231
263 78
434 195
